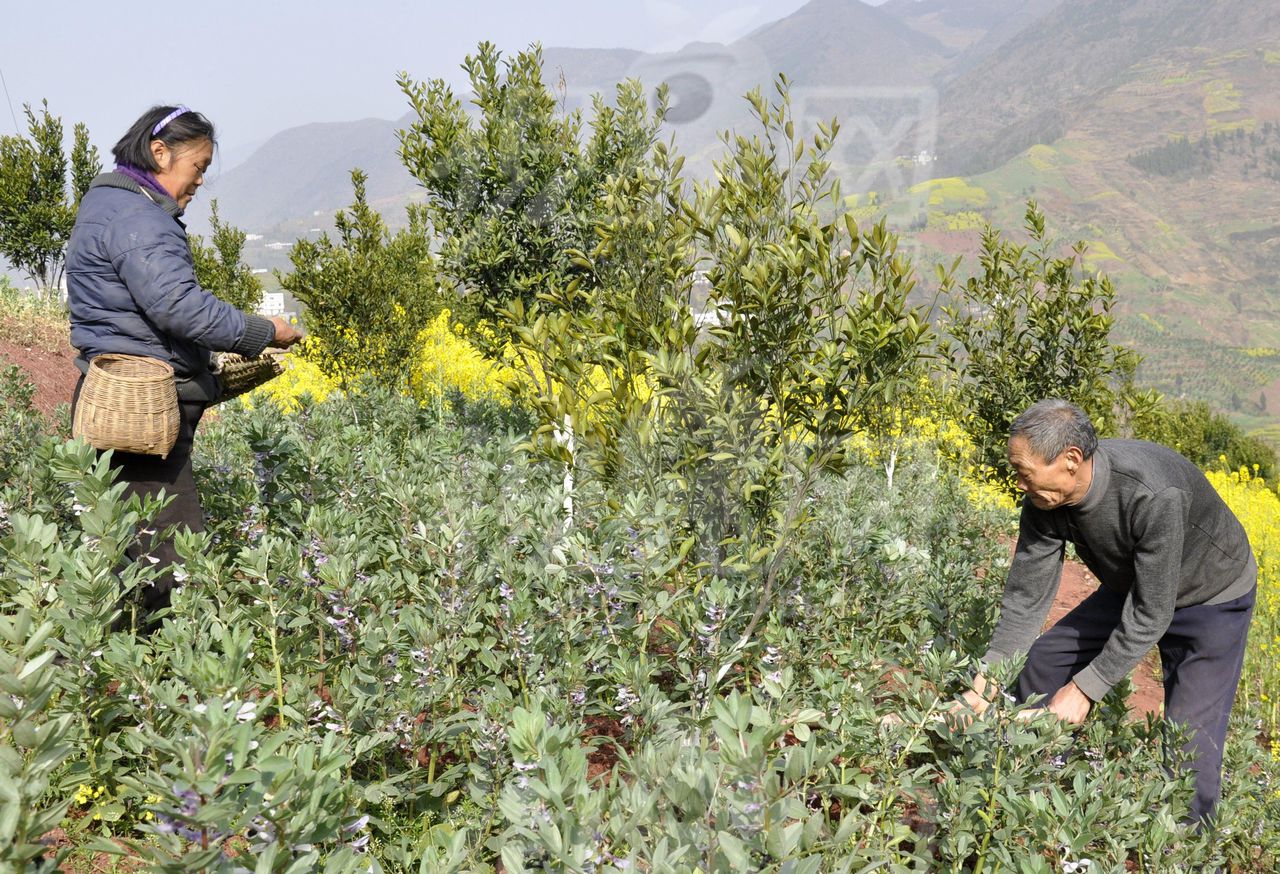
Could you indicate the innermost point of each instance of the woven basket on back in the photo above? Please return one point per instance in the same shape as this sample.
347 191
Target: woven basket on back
128 403
240 375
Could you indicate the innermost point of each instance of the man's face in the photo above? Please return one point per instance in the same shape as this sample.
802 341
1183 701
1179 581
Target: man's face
1047 484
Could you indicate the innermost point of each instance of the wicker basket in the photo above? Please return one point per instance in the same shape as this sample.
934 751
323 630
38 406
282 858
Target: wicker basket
128 403
239 375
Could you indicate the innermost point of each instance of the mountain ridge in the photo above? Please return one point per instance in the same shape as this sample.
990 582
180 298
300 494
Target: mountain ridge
1075 105
812 45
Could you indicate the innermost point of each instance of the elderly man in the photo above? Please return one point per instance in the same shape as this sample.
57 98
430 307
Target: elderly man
1176 571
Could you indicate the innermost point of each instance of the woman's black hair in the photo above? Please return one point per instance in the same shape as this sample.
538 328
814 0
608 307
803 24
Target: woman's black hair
134 148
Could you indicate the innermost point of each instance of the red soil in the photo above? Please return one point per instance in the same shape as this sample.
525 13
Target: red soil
606 735
51 369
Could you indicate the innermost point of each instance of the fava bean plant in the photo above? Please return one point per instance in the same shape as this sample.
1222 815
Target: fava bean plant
649 616
388 653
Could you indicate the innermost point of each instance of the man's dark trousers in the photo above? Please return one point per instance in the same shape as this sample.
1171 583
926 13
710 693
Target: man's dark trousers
1202 654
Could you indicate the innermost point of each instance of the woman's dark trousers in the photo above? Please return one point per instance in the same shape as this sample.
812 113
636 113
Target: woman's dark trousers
1202 655
147 476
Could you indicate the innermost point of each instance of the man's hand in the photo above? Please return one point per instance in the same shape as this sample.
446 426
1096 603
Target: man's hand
286 334
1068 704
973 702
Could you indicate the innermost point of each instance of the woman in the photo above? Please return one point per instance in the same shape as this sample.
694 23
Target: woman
132 289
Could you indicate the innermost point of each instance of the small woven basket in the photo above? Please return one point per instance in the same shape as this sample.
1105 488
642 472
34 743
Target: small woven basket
128 403
239 375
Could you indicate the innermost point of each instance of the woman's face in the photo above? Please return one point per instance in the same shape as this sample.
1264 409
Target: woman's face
182 168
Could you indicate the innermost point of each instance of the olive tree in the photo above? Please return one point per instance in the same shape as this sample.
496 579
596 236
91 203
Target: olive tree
38 202
220 266
1032 325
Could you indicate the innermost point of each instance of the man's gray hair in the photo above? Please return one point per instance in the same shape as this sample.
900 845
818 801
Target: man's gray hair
1052 425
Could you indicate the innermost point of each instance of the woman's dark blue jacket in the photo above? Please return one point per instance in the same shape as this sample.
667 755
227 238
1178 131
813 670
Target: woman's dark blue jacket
132 289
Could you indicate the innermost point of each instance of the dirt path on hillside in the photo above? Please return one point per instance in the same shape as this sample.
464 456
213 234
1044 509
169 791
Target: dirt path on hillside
52 372
1078 584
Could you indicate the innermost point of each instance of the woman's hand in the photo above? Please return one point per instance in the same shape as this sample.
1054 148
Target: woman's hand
286 334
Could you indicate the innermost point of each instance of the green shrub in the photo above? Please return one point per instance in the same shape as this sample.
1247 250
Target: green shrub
388 620
32 744
1030 326
38 202
1206 437
220 266
368 294
515 189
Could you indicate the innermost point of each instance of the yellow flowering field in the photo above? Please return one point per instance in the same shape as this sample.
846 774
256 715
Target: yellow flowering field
302 376
964 220
1258 506
447 361
929 428
951 193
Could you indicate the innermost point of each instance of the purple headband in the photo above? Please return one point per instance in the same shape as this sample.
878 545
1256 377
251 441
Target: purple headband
168 118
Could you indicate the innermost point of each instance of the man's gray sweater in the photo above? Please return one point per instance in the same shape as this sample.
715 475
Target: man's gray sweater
1151 528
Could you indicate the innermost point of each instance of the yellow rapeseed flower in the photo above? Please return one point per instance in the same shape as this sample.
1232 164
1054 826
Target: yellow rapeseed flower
447 362
1257 506
302 376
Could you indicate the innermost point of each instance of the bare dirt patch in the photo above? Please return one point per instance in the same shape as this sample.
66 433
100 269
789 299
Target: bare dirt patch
50 368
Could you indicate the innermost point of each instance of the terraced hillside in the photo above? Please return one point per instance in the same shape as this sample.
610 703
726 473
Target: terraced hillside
1149 129
1173 180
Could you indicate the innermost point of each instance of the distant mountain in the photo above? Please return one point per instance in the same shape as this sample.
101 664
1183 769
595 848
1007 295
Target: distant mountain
847 43
586 66
1148 128
990 23
956 26
1048 75
843 58
842 55
305 171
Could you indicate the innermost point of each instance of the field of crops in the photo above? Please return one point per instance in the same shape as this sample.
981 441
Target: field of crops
392 653
602 523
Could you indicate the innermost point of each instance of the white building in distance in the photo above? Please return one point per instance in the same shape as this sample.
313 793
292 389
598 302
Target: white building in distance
272 304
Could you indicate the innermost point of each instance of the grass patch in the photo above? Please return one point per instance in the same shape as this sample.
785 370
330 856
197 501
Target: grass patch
1097 253
1042 157
1269 434
1234 55
1221 96
951 194
31 320
1245 124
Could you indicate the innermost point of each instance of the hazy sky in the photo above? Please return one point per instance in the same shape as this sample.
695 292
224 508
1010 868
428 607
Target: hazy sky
256 68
